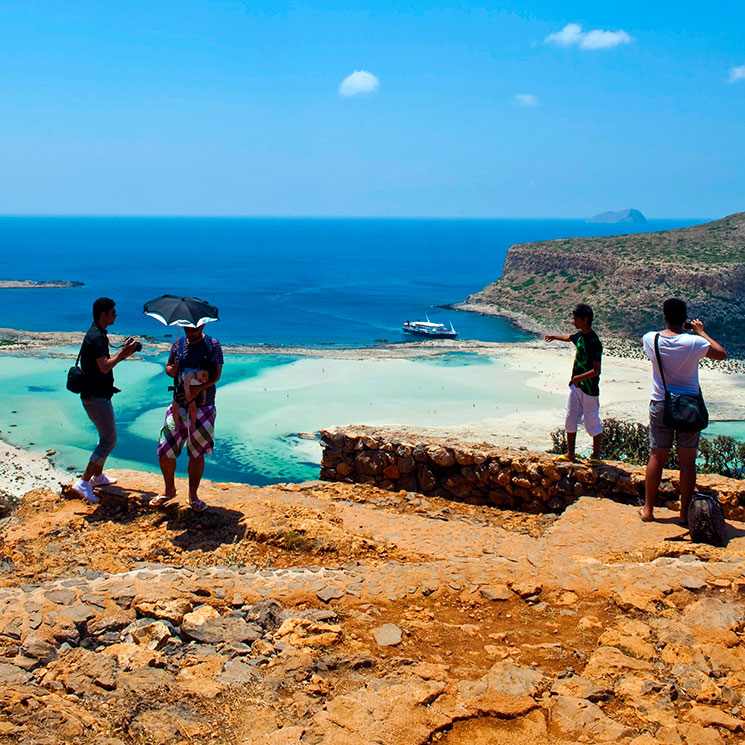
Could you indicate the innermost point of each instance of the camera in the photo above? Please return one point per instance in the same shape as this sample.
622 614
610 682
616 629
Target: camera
138 345
688 325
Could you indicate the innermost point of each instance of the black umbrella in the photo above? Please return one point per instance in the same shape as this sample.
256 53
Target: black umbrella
173 310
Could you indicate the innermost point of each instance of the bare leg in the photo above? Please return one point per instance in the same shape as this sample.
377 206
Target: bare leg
687 458
196 469
597 445
657 459
571 443
168 469
91 470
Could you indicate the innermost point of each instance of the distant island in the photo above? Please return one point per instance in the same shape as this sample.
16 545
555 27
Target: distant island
625 278
27 284
624 217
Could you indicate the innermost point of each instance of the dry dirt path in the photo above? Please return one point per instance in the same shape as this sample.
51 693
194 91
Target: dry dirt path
338 614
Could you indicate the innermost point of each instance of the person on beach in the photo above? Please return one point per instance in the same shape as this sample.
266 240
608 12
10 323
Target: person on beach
194 352
98 388
681 345
583 400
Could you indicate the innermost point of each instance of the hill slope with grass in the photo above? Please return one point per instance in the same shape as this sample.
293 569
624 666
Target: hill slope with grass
625 278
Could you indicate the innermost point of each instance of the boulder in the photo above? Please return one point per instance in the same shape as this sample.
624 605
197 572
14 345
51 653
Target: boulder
577 716
387 635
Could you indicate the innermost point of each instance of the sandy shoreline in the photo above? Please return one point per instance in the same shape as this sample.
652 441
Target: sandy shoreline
52 344
57 344
22 470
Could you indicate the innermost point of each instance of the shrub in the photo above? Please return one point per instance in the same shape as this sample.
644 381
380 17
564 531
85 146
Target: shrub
626 441
629 442
558 441
722 454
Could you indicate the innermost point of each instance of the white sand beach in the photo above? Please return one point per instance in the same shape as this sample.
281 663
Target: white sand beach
22 470
625 390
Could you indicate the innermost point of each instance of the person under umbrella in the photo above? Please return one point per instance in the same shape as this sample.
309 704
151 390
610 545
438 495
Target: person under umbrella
194 351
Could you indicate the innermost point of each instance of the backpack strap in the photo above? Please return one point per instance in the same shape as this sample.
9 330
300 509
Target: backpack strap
209 342
180 353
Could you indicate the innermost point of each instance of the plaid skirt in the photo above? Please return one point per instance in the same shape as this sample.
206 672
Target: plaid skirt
199 436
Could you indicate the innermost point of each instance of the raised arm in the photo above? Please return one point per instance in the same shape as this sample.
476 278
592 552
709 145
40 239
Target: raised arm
716 350
556 337
107 364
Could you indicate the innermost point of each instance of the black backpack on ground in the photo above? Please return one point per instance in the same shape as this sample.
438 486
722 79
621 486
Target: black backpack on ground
706 520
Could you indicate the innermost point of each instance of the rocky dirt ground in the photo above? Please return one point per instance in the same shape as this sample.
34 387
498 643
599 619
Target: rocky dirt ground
333 614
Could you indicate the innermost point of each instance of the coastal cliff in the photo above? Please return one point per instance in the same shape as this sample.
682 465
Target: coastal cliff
625 278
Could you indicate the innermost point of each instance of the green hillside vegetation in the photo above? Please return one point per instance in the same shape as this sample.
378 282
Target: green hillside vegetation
626 278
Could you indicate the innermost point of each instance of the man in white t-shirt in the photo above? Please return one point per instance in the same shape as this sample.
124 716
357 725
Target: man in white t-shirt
681 344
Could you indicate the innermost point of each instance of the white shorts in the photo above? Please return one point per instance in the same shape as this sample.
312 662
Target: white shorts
581 406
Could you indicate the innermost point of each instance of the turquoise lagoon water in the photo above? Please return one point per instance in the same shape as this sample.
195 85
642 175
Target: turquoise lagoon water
734 428
264 403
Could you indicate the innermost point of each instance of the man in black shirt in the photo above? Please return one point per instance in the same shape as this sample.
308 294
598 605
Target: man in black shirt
98 388
584 387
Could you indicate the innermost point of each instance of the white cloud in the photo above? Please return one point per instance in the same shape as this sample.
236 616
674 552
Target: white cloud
737 73
572 35
360 81
526 99
598 39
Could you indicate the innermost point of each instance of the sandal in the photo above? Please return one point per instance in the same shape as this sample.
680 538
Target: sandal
198 505
161 500
645 519
594 462
564 459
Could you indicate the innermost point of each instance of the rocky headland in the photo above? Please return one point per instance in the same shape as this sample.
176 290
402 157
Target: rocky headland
345 614
625 279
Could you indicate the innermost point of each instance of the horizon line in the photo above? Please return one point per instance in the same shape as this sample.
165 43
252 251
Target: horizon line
178 216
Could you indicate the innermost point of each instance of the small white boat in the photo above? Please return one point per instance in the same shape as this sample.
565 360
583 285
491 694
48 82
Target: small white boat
428 328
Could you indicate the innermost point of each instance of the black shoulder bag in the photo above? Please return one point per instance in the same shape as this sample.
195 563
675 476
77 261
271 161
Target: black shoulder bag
685 412
76 376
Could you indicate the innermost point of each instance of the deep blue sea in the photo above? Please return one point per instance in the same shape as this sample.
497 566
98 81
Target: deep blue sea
307 282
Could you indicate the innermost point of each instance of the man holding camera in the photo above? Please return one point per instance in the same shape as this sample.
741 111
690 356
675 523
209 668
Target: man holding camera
681 344
196 352
98 387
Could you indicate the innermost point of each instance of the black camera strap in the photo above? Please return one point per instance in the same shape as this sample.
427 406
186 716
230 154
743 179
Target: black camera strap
659 359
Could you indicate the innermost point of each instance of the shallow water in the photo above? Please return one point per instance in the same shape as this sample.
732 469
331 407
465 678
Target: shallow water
264 402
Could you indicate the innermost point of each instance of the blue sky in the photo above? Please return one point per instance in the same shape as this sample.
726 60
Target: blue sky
490 110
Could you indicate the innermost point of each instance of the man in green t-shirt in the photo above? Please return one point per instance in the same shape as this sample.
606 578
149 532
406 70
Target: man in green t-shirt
583 400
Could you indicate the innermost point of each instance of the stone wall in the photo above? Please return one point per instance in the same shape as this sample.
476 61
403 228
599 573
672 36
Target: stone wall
479 473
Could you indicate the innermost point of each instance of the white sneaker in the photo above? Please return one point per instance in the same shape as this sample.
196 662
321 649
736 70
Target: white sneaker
102 480
85 490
